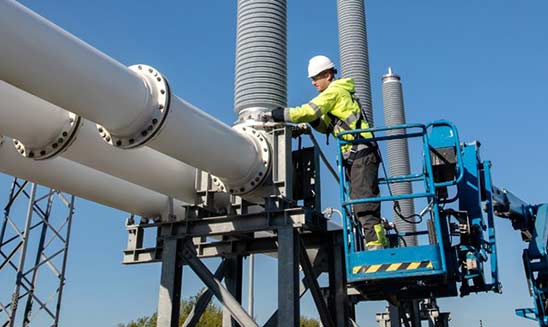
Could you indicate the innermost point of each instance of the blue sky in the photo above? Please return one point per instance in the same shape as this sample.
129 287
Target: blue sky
479 64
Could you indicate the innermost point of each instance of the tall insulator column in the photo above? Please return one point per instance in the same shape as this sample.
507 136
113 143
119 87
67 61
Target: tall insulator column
353 50
398 151
261 56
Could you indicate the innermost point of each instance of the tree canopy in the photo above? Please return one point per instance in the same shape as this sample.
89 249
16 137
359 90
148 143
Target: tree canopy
212 317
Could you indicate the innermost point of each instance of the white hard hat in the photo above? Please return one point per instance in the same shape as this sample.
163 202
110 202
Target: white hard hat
318 64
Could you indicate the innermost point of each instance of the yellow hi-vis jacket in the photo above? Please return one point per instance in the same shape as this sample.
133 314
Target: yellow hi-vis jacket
334 110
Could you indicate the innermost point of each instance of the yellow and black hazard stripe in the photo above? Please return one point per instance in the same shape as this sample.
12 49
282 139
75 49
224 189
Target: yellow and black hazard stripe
367 269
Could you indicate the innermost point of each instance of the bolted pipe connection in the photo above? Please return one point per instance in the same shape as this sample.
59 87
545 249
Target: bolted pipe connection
133 107
152 121
53 146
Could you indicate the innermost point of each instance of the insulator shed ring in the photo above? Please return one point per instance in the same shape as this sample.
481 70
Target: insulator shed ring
59 143
160 98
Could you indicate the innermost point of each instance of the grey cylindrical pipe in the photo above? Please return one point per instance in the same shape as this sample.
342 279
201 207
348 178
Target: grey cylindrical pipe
134 105
68 176
37 124
261 55
398 151
353 50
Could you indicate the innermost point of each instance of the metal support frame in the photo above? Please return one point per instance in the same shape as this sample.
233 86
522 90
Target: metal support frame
233 282
338 303
46 236
221 293
251 285
203 299
288 277
290 229
312 283
295 234
169 298
412 313
317 269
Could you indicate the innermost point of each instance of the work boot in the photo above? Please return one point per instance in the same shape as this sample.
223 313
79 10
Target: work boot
381 242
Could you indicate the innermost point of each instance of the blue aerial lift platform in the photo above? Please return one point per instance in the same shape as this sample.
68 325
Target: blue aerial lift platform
432 269
460 255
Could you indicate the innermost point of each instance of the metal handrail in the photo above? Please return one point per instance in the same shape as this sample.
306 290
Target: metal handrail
430 185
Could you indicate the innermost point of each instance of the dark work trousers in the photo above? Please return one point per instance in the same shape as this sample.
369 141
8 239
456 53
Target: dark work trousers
363 175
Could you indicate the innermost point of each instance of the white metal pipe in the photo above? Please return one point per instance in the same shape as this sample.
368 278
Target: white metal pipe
68 176
45 125
48 62
28 118
202 141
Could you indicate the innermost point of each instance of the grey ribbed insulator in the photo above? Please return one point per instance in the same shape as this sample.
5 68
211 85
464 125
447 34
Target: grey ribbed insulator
398 151
353 50
261 55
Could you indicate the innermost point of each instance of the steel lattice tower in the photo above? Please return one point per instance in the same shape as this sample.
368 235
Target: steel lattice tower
33 253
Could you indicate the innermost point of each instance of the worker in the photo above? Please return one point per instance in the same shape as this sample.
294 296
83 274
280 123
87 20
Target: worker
336 110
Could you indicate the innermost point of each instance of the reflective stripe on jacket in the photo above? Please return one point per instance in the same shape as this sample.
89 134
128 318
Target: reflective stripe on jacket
334 107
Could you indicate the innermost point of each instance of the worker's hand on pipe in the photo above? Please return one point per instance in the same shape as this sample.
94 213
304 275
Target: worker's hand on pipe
300 129
265 117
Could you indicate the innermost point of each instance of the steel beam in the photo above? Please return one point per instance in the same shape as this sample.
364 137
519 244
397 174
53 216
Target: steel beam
220 292
394 315
45 236
233 282
251 285
170 284
22 257
338 300
273 320
204 298
38 258
288 277
135 254
312 283
64 263
253 222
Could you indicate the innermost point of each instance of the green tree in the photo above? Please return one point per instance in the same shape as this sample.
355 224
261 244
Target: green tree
212 317
309 322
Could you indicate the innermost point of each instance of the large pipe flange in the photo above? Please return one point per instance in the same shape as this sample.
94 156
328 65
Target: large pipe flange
57 145
257 173
159 102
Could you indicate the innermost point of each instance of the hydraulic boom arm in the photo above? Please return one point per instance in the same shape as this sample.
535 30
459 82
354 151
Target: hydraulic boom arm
531 221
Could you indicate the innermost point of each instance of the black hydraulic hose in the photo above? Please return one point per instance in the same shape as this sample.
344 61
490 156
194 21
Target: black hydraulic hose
324 158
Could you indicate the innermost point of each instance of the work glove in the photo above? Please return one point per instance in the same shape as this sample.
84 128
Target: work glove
265 117
278 114
300 129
